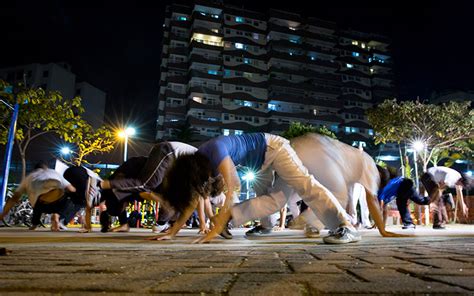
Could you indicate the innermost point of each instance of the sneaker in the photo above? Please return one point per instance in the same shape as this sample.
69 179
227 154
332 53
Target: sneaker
342 235
409 226
258 231
439 227
159 228
311 232
226 233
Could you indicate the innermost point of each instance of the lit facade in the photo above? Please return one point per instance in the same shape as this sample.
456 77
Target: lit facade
226 71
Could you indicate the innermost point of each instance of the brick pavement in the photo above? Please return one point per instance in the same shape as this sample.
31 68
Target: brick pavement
69 263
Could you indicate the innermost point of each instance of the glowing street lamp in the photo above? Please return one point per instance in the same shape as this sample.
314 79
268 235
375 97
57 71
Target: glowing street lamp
125 134
65 150
417 146
248 177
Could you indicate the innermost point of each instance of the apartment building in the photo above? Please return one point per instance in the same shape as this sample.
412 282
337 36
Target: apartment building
227 70
59 77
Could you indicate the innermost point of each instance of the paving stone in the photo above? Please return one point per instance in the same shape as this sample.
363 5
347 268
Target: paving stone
466 282
268 288
446 263
382 260
424 270
412 288
195 283
313 266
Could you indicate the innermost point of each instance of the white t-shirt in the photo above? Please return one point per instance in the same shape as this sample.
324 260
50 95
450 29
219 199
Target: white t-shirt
182 148
41 181
444 174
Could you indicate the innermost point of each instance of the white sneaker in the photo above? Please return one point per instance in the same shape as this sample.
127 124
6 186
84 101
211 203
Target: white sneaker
311 232
343 235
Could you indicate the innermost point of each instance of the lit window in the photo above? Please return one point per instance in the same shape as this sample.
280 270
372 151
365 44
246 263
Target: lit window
293 41
290 53
363 46
247 61
354 42
239 45
174 120
347 129
313 58
272 107
349 66
238 132
334 128
255 36
292 28
215 16
202 13
371 70
247 104
212 72
355 54
239 19
225 132
315 112
215 30
197 99
182 18
370 132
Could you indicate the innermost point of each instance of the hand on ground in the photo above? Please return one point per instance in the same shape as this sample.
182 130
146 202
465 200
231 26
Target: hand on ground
393 234
161 237
206 239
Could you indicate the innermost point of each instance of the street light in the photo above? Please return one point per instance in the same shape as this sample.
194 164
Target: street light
125 134
65 150
8 147
248 177
417 146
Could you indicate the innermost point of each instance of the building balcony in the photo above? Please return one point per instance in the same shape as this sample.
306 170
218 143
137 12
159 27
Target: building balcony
195 58
246 68
181 24
198 16
206 31
195 44
204 90
242 96
196 105
199 74
244 82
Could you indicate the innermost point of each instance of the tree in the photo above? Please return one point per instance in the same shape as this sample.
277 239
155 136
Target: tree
89 141
440 127
184 133
41 112
297 129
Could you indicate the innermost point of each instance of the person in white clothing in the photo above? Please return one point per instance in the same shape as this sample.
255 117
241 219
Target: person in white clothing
338 167
46 190
436 180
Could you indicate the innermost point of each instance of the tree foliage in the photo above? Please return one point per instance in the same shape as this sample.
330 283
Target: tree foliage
297 129
89 141
41 112
184 133
440 127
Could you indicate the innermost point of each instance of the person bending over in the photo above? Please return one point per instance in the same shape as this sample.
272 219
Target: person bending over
196 175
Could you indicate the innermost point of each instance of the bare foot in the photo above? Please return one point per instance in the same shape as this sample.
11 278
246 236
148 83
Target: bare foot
121 228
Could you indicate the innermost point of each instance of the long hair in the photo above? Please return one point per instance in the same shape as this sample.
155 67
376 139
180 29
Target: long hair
187 177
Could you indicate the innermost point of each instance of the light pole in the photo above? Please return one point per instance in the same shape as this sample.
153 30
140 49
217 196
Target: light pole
8 148
125 134
419 146
248 177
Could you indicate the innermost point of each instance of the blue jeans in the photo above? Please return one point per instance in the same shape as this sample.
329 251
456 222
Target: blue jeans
406 192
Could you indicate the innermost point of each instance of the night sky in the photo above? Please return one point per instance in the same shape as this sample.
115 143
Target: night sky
116 45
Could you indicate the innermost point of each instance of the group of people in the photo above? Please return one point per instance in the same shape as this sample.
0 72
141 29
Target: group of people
325 174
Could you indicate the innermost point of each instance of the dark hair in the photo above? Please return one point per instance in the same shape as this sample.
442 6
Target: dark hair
466 181
386 174
189 174
41 165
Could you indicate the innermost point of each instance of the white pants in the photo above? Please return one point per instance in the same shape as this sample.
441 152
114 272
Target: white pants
281 157
357 194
